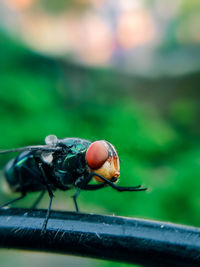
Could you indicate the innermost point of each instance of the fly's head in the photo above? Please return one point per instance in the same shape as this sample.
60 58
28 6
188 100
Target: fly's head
103 159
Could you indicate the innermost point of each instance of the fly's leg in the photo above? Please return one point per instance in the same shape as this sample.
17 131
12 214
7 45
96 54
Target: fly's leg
81 184
92 187
120 188
45 180
12 201
44 226
85 186
37 201
75 197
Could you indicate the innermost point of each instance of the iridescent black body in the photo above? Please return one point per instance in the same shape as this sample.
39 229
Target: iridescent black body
67 169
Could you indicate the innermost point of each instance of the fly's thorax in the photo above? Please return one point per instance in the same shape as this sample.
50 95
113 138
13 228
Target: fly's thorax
73 158
74 163
69 167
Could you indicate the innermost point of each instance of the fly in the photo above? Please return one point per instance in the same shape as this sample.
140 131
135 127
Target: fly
63 164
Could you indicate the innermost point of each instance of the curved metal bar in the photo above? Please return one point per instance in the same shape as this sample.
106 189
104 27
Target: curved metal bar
144 242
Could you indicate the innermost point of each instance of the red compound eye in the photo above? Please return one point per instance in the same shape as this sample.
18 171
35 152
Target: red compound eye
96 155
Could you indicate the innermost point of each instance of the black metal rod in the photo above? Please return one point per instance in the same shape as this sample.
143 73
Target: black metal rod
123 239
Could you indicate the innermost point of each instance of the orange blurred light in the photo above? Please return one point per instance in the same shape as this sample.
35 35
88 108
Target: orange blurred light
18 4
135 28
95 40
97 3
86 37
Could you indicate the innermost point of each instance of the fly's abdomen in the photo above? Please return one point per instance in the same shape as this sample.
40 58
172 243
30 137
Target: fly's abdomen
22 174
11 180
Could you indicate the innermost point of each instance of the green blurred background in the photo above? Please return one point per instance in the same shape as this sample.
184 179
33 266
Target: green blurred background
128 73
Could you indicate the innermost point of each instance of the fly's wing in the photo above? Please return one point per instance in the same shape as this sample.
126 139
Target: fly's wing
41 148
